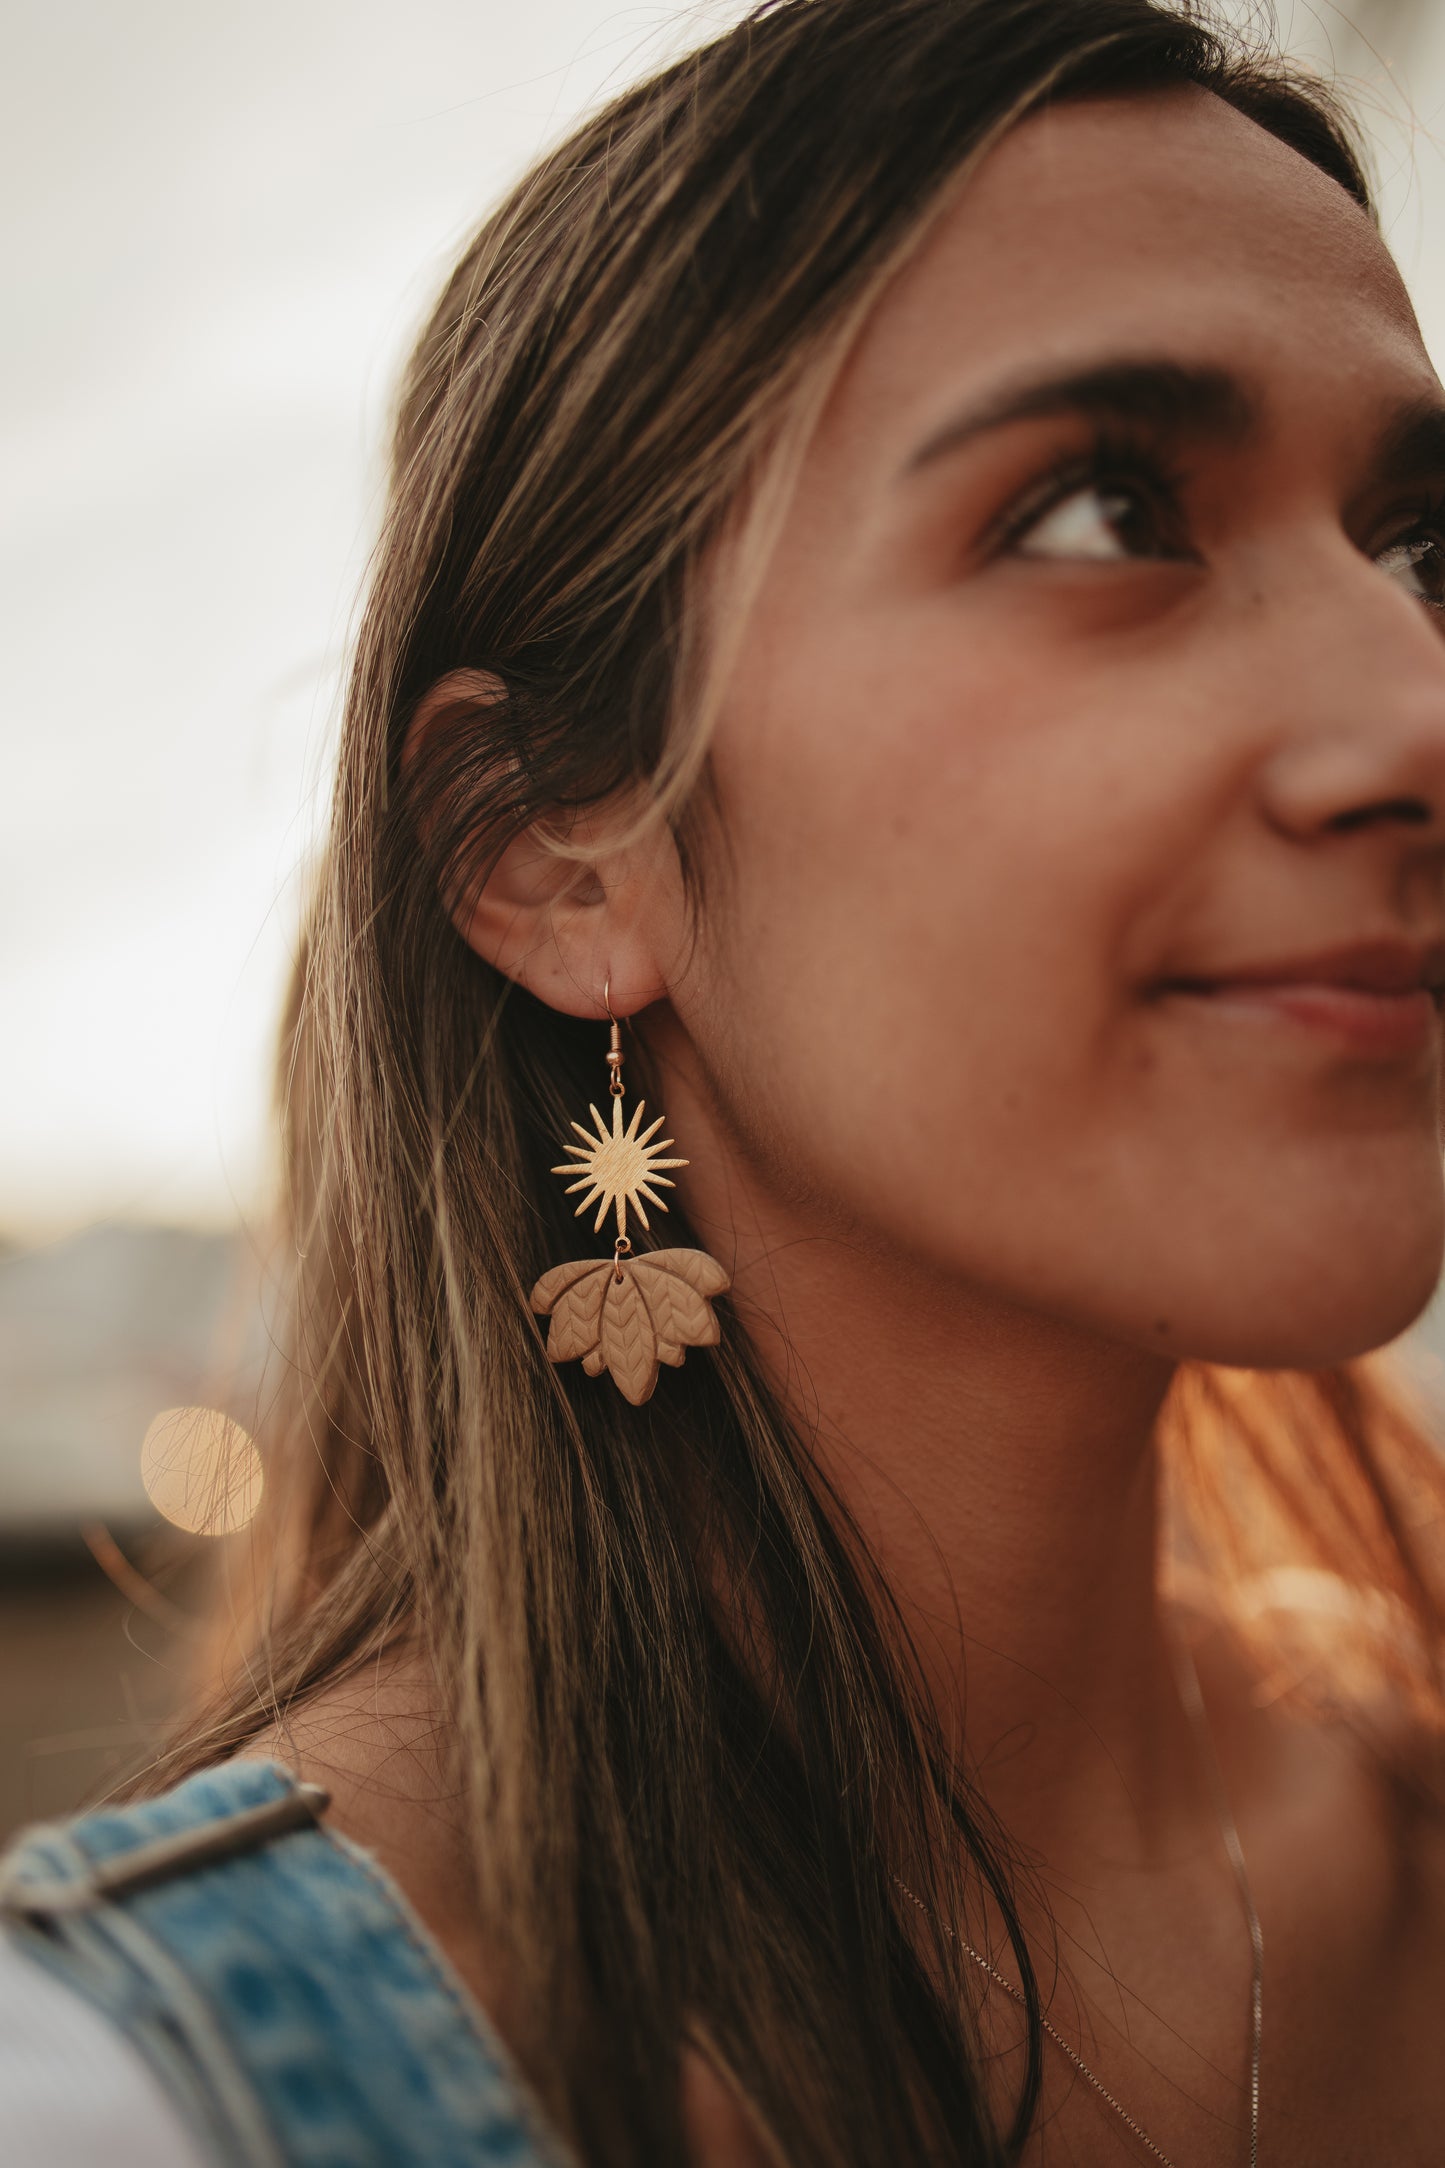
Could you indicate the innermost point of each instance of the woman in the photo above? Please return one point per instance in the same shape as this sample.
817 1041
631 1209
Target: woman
913 583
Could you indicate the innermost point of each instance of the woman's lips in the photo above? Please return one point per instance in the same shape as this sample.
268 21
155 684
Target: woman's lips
1365 1021
1377 998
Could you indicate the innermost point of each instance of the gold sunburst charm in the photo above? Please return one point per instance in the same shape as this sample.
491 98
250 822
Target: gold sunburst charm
621 1167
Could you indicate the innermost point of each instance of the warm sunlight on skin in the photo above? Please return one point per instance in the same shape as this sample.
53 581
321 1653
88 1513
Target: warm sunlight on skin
1047 740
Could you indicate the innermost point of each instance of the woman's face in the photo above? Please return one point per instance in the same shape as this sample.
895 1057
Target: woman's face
1083 777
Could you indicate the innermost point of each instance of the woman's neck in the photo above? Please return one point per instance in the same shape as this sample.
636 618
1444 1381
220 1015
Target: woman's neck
1000 1467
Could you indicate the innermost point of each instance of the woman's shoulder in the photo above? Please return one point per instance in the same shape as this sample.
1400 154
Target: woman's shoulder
270 1974
374 1742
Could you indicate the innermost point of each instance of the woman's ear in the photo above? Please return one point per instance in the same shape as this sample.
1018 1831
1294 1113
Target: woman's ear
579 898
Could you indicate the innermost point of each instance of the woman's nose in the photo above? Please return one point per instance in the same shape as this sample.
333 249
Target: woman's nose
1368 748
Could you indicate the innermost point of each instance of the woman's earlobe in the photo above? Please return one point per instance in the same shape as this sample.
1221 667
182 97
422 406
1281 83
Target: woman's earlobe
541 919
567 903
563 912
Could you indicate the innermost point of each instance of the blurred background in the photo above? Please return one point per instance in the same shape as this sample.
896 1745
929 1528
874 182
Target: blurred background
220 228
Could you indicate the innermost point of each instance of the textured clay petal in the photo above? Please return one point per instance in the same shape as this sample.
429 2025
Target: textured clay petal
681 1317
695 1267
628 1343
560 1278
576 1316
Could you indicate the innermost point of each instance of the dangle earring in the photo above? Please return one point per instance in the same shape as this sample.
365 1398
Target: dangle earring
626 1314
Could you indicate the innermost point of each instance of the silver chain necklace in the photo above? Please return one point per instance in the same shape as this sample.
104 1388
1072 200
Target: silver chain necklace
1193 1701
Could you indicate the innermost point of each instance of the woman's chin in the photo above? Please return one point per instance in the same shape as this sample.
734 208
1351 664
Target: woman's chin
1315 1328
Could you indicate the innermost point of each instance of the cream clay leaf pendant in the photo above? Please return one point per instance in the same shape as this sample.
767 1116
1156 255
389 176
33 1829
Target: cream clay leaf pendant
625 1314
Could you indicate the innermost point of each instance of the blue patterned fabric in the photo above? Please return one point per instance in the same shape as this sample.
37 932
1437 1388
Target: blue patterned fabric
286 1995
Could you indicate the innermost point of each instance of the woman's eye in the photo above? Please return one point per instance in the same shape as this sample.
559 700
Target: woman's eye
1418 564
1105 522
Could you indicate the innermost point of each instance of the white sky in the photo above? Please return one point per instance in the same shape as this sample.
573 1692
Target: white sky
221 225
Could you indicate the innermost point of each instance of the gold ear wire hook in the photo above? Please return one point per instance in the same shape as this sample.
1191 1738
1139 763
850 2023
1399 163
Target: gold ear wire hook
614 1052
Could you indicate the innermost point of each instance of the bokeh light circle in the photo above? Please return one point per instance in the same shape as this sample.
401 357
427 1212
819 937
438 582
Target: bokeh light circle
201 1471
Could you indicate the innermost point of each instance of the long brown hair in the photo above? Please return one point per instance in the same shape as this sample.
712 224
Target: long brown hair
669 1827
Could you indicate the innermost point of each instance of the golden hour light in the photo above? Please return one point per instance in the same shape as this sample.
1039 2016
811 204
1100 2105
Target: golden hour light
201 1471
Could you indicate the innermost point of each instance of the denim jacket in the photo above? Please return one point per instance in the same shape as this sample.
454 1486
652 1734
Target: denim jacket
275 1980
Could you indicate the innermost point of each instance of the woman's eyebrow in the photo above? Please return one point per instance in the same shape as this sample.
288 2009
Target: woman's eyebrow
1176 398
1182 400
